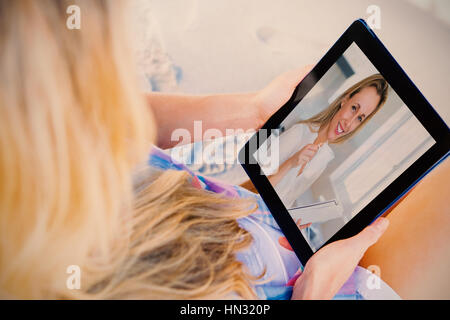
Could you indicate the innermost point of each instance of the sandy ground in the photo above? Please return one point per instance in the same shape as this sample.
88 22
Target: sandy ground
240 45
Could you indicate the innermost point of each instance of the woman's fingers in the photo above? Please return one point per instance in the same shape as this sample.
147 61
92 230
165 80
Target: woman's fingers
278 91
290 79
305 155
370 234
333 264
301 169
304 226
309 147
309 154
309 151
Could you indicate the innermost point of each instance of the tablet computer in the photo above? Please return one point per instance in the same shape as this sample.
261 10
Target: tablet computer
353 139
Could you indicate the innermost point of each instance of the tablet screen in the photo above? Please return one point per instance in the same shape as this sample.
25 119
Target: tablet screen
344 142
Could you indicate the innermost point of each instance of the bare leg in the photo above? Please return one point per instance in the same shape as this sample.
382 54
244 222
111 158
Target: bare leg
414 253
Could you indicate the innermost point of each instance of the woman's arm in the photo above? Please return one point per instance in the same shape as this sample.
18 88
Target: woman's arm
223 111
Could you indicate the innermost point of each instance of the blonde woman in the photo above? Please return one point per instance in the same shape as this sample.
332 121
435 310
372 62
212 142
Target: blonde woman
75 133
304 149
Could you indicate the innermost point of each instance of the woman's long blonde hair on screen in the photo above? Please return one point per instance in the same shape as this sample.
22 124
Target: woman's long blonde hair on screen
73 128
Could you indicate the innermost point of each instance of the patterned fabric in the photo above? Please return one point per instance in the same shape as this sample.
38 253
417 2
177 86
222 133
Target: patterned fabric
266 251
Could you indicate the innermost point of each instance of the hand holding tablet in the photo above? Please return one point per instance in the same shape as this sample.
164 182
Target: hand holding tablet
378 136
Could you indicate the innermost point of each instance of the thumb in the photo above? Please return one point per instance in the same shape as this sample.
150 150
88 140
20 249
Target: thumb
371 233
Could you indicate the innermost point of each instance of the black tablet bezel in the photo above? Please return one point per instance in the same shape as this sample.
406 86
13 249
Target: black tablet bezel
360 34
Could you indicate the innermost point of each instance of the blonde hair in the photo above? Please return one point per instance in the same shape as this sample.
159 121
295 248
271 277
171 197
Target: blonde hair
324 117
73 127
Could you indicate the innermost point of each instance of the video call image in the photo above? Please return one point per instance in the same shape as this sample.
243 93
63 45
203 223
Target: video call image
345 142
